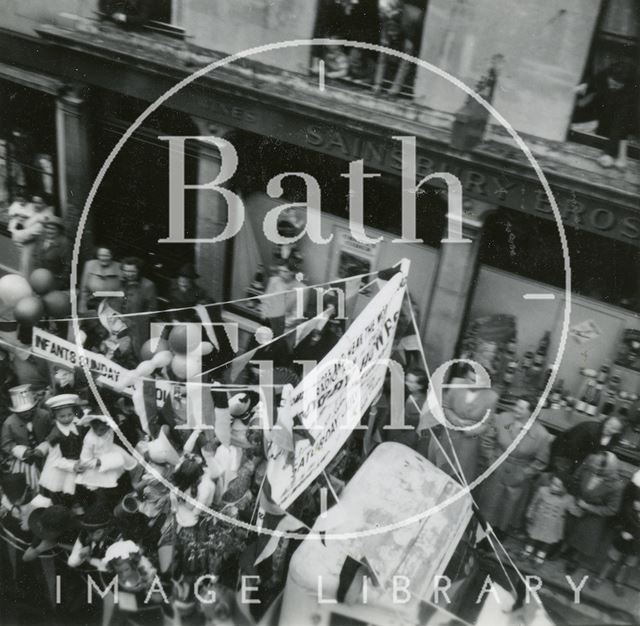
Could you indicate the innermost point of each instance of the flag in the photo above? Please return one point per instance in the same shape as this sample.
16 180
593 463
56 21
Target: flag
272 517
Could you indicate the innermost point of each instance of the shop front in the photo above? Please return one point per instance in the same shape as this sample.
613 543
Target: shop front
598 375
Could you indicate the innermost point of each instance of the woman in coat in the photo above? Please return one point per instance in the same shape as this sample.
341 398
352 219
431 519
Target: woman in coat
99 274
598 493
504 494
469 410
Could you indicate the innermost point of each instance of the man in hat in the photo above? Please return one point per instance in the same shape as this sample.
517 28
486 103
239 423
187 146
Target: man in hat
97 533
26 428
139 297
185 293
52 252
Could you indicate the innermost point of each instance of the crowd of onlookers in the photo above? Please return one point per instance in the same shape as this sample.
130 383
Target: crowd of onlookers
74 492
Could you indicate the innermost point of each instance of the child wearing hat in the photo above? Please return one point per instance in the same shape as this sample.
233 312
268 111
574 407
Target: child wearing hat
22 432
97 533
102 462
62 446
546 518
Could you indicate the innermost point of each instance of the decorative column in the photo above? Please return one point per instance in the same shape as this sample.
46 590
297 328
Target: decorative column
453 287
211 218
75 167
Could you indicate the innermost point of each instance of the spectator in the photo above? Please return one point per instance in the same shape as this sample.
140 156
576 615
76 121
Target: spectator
29 229
622 556
463 408
283 309
573 446
184 292
51 251
130 13
99 274
546 516
598 493
610 98
416 383
504 494
139 297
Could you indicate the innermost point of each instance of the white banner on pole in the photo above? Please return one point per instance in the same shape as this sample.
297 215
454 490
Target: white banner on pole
331 400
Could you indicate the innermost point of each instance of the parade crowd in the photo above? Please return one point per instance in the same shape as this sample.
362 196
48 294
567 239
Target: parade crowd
76 496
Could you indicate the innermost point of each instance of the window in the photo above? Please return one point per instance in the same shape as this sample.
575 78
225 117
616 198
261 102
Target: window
396 24
162 16
606 108
27 148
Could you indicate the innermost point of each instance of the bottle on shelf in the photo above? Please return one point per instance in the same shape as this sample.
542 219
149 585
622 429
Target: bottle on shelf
594 399
527 359
541 353
555 397
603 373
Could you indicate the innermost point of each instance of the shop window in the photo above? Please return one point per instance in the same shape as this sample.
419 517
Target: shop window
396 24
27 149
607 99
602 268
163 16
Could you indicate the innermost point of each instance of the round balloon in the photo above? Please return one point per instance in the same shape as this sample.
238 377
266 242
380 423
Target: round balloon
179 366
57 303
178 340
151 347
13 288
42 281
29 310
162 359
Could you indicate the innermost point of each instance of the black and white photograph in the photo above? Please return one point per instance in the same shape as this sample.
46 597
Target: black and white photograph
319 313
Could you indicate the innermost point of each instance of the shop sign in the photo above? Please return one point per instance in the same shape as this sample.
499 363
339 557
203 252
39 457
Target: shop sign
331 400
496 187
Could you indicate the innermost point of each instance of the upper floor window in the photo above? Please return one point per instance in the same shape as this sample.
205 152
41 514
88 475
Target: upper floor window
396 24
606 110
157 15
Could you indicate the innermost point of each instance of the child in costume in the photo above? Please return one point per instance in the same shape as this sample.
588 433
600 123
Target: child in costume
62 447
102 462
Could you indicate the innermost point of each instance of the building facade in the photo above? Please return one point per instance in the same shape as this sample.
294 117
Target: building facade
97 78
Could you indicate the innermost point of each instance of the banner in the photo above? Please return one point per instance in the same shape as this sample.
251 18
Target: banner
66 353
331 400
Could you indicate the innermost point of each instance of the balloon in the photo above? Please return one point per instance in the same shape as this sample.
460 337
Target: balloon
162 359
203 349
13 288
145 368
57 303
151 347
42 281
179 366
29 310
80 338
178 340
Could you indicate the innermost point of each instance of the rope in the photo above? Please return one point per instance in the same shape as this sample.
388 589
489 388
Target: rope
225 303
457 468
